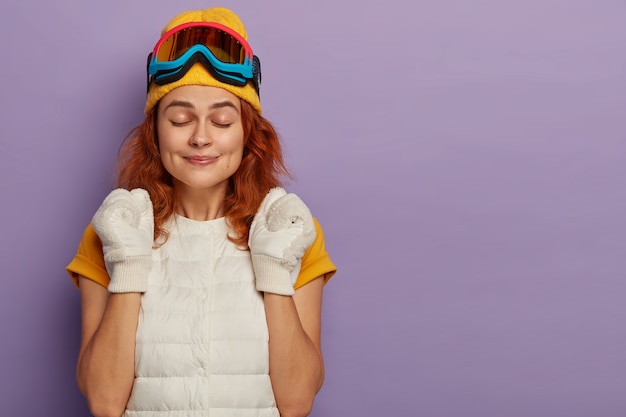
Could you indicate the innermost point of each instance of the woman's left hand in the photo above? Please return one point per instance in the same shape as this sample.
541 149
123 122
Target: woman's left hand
280 233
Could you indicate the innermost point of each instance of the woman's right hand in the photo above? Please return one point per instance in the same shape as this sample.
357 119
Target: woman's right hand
125 224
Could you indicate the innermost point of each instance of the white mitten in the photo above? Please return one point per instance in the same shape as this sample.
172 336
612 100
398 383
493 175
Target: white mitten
125 224
281 231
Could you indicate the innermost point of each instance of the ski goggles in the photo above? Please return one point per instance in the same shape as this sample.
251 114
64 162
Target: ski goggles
222 51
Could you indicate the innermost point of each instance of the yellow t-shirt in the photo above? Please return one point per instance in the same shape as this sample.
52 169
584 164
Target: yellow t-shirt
89 260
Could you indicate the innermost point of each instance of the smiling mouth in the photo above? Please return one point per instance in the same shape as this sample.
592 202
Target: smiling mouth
201 160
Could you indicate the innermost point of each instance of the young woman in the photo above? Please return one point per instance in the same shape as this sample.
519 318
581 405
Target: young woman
201 279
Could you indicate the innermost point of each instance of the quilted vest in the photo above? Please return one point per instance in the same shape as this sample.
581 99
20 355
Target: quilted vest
202 338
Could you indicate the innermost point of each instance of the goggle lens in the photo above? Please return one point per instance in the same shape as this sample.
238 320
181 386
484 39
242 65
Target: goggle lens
221 44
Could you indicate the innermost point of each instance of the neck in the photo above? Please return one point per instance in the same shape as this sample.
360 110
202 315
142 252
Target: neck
201 205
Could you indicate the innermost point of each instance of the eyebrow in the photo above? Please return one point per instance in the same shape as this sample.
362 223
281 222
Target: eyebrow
180 103
222 104
189 105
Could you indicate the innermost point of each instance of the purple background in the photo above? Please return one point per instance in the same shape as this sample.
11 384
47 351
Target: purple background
466 159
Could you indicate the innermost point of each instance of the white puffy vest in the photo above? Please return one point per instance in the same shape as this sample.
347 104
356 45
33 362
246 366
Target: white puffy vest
202 339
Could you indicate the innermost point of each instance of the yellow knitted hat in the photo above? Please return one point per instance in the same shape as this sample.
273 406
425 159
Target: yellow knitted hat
197 74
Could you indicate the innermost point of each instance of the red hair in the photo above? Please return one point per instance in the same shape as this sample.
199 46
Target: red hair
140 166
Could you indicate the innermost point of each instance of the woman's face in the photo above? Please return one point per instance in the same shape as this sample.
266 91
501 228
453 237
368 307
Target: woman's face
200 136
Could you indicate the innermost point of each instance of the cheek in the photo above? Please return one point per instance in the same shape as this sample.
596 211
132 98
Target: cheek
234 145
165 149
168 141
160 134
235 157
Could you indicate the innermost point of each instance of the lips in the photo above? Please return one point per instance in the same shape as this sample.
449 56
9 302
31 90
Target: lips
200 160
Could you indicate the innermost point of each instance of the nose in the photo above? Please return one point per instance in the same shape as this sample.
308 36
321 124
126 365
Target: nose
200 137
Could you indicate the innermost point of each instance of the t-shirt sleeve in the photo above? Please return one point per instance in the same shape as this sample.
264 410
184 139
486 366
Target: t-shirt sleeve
89 259
316 262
